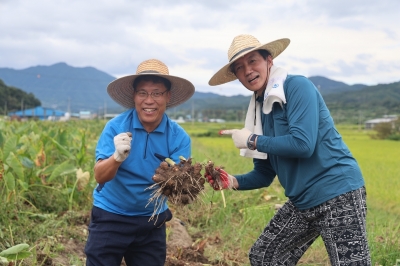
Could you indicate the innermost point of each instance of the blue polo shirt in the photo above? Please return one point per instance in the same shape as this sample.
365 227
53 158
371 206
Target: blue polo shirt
305 151
126 193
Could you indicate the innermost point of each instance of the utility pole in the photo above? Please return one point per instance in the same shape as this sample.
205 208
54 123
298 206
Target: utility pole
22 107
105 109
192 112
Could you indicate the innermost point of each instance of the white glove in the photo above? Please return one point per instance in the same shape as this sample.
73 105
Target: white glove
239 136
122 144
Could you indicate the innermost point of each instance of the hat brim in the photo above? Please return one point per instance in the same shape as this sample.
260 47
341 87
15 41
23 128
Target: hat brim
225 75
121 90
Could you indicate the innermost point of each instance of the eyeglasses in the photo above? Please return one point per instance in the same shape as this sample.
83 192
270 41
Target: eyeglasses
144 94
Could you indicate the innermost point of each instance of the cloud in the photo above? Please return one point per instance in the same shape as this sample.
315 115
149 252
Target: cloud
353 42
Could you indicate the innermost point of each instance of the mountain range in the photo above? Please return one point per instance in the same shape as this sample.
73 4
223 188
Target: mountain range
74 89
62 86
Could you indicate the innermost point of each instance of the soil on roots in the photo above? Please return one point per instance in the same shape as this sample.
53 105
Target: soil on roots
180 183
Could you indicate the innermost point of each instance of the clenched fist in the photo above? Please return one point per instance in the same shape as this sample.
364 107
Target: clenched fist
122 143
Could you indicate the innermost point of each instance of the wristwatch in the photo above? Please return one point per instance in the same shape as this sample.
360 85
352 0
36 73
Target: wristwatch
251 142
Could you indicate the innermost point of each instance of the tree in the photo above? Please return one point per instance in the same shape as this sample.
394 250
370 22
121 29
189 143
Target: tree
12 98
388 130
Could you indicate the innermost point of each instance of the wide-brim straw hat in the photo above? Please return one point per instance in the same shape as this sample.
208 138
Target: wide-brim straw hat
240 46
121 90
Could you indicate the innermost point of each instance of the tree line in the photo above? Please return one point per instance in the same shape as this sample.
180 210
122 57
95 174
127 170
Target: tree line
350 107
12 99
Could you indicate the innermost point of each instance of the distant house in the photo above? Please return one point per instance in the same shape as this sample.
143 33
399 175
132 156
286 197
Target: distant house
217 120
370 124
85 115
109 116
38 112
180 120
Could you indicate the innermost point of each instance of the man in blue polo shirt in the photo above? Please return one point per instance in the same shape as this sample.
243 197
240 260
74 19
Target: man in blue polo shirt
290 134
128 152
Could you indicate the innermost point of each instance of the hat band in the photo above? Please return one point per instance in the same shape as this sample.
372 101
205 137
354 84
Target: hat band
149 72
241 51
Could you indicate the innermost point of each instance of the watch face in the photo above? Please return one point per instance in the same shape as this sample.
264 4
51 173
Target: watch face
250 143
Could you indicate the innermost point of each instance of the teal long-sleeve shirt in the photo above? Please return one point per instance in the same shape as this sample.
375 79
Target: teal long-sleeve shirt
305 151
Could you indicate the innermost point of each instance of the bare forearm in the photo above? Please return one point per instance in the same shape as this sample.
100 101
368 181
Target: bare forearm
105 170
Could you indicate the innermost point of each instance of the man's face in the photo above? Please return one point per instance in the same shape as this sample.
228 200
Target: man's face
151 109
252 70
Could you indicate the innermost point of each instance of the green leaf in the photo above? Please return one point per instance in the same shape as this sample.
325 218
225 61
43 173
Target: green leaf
19 256
23 185
1 140
14 250
81 155
28 163
46 171
63 137
3 260
16 166
61 149
9 146
9 179
62 169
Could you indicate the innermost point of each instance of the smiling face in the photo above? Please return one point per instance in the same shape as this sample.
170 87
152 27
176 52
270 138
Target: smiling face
252 70
150 109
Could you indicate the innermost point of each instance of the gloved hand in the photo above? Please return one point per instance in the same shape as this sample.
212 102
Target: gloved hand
239 136
223 181
122 143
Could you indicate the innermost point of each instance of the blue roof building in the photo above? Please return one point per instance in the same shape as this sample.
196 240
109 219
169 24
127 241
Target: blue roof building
39 112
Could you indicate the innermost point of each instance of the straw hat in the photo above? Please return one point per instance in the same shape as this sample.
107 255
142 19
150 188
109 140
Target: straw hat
121 90
240 46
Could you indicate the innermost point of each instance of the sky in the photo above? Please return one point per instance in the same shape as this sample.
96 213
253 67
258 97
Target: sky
352 41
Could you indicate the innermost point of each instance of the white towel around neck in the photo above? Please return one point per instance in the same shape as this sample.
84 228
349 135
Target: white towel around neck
273 93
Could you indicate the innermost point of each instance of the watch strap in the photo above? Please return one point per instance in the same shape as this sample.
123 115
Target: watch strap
251 142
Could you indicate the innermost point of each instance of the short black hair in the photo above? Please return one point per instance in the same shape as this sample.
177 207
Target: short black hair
262 52
152 78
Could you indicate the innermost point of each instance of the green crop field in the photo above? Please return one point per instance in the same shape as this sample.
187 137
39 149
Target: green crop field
46 182
249 211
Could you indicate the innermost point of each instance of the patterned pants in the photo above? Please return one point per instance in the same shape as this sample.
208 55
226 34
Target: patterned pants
341 222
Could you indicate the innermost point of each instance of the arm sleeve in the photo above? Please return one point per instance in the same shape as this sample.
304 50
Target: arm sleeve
302 122
261 176
180 144
184 149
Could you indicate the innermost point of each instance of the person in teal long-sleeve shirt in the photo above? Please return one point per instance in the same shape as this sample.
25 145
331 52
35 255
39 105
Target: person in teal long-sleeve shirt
291 135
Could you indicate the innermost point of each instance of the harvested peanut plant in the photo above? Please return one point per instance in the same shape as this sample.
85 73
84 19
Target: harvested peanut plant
215 175
179 183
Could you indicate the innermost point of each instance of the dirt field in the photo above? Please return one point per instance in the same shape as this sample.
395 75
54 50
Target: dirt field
182 249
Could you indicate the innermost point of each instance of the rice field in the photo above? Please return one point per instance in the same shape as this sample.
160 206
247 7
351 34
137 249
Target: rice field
247 212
